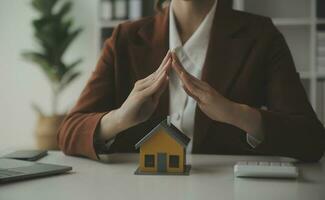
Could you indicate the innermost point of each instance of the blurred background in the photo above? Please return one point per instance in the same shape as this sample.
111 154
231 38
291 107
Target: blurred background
48 49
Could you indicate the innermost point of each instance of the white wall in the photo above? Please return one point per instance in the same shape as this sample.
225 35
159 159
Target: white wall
22 83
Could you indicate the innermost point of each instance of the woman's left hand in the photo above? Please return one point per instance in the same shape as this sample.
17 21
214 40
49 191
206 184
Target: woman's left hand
213 104
216 106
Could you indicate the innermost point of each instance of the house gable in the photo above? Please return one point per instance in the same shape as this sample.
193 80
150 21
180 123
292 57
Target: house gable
176 134
161 142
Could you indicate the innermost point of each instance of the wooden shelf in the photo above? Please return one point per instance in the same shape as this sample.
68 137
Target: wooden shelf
321 72
292 21
321 21
278 8
305 75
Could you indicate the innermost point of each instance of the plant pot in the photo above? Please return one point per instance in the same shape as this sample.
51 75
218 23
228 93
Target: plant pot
46 131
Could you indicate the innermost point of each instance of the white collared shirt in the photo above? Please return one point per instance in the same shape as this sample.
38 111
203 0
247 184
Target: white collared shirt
192 56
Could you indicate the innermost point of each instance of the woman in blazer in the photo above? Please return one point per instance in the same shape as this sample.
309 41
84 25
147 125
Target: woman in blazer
231 81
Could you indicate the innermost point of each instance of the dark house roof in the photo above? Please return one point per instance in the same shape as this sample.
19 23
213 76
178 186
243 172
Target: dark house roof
180 137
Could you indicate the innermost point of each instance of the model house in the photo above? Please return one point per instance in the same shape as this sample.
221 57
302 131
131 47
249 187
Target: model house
163 151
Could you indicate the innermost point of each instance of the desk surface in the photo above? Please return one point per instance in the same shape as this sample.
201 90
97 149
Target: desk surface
211 178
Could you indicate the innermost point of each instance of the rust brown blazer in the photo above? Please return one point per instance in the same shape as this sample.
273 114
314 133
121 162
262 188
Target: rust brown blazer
248 61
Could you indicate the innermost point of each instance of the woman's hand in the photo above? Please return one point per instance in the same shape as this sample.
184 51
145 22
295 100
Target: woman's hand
144 97
216 106
140 104
213 104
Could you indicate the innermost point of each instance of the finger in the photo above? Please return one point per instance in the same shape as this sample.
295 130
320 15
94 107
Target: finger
177 62
194 90
140 84
180 70
165 60
154 87
148 78
167 56
179 67
166 67
191 94
164 70
164 85
152 77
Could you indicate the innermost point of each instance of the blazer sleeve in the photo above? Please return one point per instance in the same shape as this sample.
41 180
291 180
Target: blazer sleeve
290 125
76 133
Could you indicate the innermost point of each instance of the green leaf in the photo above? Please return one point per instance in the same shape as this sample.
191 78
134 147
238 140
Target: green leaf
68 79
66 26
67 41
64 70
74 64
40 23
41 61
37 5
65 9
45 7
54 32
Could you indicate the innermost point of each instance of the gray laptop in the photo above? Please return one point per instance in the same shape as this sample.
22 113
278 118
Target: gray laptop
14 170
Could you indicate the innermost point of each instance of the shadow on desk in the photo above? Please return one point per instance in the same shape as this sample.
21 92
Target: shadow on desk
119 158
29 180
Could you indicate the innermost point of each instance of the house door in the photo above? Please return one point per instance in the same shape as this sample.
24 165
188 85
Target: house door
162 162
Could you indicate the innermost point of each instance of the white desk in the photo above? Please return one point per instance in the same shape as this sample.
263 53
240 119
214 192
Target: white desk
211 178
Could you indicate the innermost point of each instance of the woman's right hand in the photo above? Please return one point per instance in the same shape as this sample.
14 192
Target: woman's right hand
144 97
141 102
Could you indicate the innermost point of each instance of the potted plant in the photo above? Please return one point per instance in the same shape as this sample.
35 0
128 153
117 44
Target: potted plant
54 31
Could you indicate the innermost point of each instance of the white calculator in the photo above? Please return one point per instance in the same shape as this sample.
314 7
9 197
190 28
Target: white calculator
266 169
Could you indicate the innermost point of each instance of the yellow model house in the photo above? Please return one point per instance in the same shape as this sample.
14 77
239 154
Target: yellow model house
163 151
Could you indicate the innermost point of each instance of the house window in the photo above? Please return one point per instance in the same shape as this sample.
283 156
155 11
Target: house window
173 161
149 160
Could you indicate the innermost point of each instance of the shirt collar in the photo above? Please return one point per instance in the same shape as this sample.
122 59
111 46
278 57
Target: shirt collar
197 44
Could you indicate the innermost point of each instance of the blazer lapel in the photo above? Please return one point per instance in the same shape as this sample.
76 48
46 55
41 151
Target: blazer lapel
225 57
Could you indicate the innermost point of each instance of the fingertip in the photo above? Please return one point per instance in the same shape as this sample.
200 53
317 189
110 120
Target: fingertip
174 63
175 58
